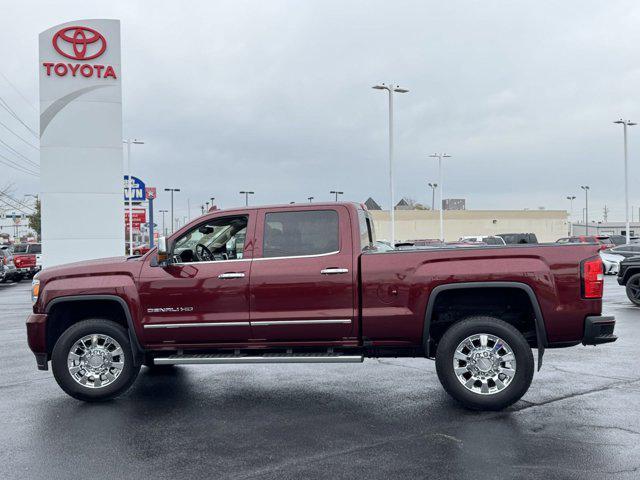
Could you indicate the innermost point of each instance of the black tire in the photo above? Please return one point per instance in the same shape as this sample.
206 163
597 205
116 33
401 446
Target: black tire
633 289
493 326
66 341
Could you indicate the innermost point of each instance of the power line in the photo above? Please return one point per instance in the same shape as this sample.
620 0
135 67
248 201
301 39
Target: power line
15 200
17 166
15 152
14 133
19 92
13 207
6 106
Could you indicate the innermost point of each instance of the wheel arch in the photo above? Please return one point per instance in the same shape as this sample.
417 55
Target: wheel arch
541 332
111 299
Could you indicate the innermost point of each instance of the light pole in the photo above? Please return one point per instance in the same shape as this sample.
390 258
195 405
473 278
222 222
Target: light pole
625 124
391 88
246 197
440 156
130 195
336 193
310 199
433 195
164 230
571 198
171 217
586 208
212 199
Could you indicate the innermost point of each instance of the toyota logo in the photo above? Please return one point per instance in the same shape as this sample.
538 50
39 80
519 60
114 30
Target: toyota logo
79 43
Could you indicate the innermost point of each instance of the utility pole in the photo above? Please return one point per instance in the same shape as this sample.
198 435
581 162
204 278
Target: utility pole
440 156
625 124
605 214
164 230
391 89
433 195
571 198
586 208
246 197
172 190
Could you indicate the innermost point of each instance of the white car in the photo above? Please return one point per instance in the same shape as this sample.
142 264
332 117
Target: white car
488 239
610 262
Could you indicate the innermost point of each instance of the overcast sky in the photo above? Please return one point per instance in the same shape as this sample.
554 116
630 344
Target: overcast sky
276 97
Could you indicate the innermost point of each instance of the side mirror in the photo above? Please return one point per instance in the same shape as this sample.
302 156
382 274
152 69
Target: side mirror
163 254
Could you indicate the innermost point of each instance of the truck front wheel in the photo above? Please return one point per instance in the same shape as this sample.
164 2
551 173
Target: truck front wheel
93 361
484 363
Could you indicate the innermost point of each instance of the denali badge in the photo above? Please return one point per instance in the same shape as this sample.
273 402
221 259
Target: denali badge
169 309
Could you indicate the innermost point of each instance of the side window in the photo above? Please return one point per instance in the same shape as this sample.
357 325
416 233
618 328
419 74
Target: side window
309 232
218 239
366 238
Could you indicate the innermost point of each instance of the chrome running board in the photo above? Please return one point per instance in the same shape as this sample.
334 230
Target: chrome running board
204 359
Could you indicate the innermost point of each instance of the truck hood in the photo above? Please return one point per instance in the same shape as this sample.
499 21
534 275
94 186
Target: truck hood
91 267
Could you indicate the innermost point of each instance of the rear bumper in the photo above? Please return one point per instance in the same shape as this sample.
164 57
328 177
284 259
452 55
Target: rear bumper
599 329
37 338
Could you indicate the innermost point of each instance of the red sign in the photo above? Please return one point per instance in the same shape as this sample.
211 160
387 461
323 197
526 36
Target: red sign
73 43
79 43
139 216
151 193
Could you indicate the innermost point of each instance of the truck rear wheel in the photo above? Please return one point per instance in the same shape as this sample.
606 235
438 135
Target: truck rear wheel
93 361
484 363
633 289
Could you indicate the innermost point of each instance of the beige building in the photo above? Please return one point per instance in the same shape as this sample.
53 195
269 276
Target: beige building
548 225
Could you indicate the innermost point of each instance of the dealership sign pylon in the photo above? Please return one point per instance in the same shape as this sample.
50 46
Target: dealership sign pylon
81 141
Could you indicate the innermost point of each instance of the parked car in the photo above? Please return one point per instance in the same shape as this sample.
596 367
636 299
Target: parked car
25 259
619 239
603 240
310 287
629 277
141 249
8 271
610 261
516 238
486 239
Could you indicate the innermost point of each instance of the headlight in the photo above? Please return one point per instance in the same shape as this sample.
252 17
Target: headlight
35 290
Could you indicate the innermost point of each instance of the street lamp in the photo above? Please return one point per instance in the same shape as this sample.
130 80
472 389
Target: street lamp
391 89
164 230
336 193
310 199
433 194
586 208
625 124
129 142
440 156
212 199
571 198
246 197
172 190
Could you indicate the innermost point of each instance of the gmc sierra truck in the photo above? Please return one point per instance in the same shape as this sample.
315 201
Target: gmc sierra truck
306 283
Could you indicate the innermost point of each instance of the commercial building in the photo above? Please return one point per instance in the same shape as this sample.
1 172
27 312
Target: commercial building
607 228
548 225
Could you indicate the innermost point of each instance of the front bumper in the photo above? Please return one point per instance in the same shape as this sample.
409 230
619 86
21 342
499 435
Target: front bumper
599 329
37 338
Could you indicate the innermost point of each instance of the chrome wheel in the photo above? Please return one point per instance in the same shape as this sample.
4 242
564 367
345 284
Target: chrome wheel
484 364
95 361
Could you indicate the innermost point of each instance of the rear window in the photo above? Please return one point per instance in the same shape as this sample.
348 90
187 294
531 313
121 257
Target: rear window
310 232
492 241
20 248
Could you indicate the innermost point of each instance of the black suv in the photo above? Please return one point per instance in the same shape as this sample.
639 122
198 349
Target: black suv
629 277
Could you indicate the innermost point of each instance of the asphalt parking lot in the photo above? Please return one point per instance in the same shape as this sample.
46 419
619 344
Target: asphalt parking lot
382 419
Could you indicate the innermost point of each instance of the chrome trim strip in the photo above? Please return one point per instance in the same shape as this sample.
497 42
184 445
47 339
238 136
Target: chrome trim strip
213 261
300 322
193 325
299 256
266 359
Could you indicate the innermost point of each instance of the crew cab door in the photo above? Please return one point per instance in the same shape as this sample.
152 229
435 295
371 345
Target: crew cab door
302 279
203 296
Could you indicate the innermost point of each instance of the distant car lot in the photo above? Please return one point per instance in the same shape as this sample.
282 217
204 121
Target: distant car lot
384 419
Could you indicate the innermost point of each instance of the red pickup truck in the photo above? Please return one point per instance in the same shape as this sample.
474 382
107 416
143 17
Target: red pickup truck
305 283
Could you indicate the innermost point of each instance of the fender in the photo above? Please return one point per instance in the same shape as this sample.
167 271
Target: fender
541 332
138 351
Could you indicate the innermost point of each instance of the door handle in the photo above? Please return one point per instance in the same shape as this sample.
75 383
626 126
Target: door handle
231 275
334 271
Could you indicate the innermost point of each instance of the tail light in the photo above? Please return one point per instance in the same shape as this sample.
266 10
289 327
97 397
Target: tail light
592 278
